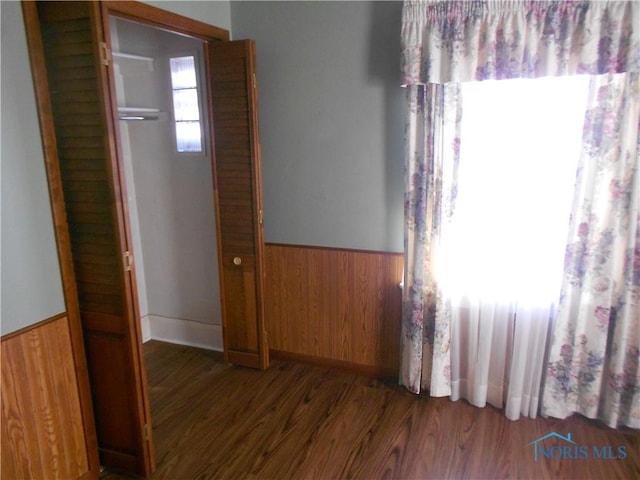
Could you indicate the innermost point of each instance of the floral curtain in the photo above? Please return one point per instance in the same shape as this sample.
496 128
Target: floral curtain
430 177
446 42
594 361
451 41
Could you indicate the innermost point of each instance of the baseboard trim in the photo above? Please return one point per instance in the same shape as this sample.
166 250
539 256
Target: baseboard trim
182 332
342 365
146 329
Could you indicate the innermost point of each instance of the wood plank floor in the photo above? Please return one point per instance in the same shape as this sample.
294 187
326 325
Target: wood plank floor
294 421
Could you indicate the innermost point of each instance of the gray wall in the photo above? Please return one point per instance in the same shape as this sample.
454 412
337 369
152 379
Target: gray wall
331 120
31 282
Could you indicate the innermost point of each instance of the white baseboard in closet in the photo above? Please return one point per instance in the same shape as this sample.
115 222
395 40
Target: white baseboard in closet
146 329
185 332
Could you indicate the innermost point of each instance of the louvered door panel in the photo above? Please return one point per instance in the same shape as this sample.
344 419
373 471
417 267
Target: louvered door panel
88 193
89 177
238 200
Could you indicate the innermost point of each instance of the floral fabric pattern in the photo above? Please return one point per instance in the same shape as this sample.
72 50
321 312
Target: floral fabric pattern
594 361
449 41
430 175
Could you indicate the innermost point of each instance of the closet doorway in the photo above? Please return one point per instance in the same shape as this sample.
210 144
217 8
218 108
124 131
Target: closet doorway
169 181
84 121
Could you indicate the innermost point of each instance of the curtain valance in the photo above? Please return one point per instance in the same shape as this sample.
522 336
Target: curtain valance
445 41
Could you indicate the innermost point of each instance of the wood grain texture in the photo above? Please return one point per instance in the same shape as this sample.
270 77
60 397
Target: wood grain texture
82 118
238 199
63 242
43 426
87 183
297 421
163 19
334 306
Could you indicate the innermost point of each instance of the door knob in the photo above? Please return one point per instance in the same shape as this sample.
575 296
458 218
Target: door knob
237 260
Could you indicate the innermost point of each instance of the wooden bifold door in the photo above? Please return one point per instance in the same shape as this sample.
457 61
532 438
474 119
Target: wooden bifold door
233 93
72 39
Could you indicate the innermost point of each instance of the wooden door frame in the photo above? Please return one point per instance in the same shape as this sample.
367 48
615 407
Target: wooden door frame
154 17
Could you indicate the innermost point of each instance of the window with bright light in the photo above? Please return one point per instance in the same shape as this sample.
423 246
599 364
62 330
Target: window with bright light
520 144
186 106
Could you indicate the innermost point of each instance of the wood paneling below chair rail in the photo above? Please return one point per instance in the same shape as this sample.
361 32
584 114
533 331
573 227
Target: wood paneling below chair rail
334 307
42 421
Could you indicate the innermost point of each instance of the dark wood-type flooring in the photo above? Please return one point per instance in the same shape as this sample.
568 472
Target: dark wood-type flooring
295 421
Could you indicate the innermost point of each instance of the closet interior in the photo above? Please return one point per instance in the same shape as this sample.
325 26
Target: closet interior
169 182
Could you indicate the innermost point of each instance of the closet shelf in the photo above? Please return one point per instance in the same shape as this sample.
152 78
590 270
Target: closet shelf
133 61
132 56
138 110
139 113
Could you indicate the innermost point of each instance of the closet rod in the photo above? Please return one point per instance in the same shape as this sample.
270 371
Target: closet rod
138 117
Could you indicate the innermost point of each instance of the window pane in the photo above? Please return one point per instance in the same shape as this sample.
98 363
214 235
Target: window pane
188 138
185 105
520 143
183 72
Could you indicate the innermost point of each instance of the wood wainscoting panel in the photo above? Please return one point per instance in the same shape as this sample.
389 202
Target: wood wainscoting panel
334 307
42 429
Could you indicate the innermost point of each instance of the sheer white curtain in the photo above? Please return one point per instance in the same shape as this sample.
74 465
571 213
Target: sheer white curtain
501 251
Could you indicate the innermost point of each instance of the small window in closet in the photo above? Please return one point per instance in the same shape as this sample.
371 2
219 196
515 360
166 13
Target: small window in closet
186 105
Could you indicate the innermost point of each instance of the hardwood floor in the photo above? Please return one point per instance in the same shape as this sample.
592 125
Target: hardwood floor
295 421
